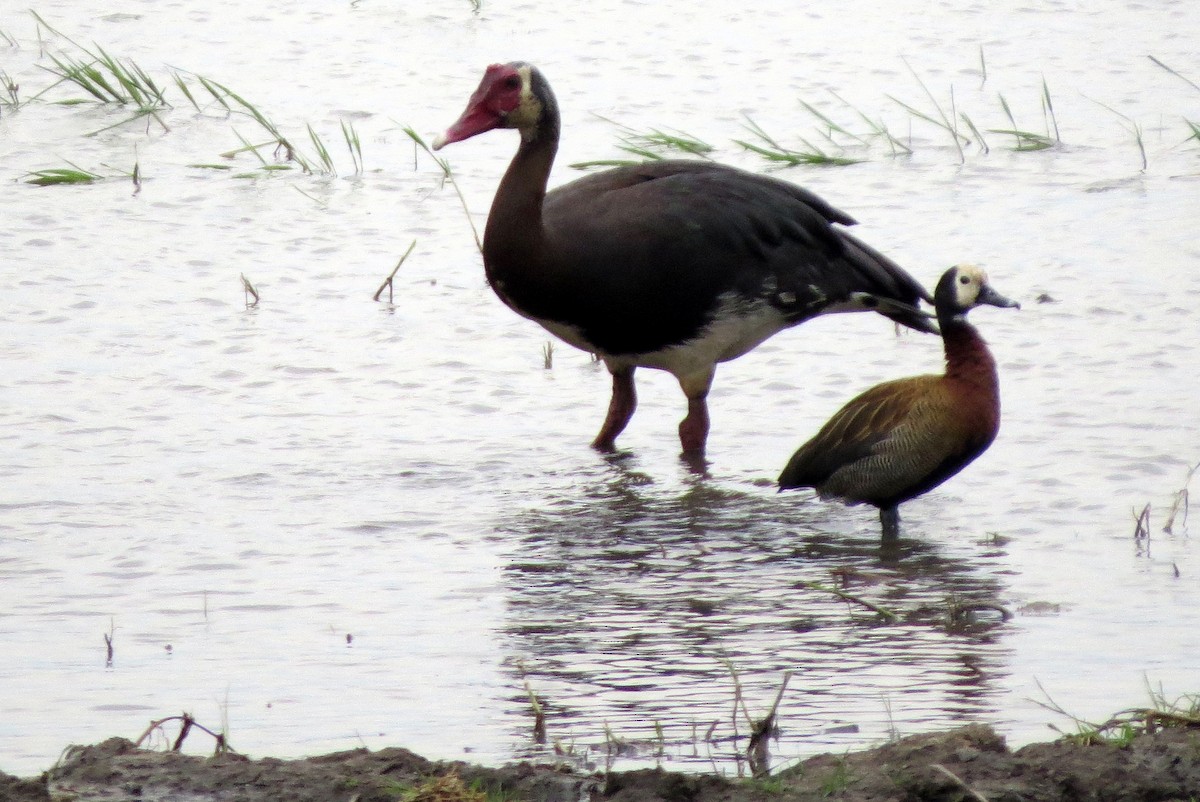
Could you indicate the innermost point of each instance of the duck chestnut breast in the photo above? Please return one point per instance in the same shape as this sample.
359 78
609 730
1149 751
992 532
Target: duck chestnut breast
675 265
905 437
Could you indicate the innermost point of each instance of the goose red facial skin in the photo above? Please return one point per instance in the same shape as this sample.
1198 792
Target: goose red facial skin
498 94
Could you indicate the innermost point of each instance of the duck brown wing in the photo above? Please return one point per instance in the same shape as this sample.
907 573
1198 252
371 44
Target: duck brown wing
878 440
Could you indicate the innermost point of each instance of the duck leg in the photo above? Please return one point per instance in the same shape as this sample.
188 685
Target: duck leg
889 517
693 430
620 409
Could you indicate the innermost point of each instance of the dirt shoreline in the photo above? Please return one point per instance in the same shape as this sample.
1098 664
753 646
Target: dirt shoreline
969 763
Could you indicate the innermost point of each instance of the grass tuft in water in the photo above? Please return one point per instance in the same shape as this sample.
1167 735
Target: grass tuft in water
282 144
57 176
780 156
106 79
652 145
942 120
878 129
829 127
1025 140
655 142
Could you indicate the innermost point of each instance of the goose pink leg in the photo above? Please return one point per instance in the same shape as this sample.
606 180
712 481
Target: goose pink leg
620 410
693 430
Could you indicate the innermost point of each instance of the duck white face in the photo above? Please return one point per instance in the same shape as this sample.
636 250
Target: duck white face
969 281
970 288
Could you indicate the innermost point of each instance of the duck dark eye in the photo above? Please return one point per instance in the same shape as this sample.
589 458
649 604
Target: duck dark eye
512 81
964 279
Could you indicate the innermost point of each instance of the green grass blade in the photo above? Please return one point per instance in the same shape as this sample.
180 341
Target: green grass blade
879 129
677 141
246 146
792 158
1132 126
774 152
218 92
77 74
131 89
183 87
1048 107
291 153
322 151
594 164
1176 73
830 126
354 145
975 132
945 122
1026 140
57 176
37 17
11 97
447 175
645 154
651 144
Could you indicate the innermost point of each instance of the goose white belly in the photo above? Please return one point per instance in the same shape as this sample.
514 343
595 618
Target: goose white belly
737 327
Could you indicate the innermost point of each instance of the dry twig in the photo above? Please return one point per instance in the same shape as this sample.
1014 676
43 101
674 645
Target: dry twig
387 282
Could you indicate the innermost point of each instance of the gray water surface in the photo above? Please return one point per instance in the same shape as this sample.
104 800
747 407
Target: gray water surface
324 522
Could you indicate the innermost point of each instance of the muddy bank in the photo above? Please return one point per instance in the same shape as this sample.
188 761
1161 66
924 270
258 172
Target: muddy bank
971 763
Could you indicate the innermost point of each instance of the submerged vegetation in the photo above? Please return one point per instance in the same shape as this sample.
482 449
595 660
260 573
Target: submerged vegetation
842 134
650 145
108 80
860 136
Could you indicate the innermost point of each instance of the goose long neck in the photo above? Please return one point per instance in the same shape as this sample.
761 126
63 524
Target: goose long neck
968 358
515 220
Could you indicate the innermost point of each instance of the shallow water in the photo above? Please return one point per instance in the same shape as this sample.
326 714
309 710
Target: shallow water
324 522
